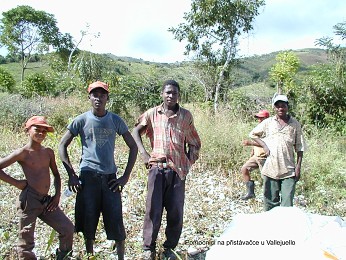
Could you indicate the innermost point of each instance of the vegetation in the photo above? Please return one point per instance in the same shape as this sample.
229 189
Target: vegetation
56 88
212 30
26 31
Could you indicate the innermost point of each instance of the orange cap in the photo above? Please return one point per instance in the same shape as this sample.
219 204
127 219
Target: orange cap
38 120
98 84
263 114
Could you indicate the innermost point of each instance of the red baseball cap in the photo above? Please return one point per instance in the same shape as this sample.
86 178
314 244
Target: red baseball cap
98 84
262 113
38 120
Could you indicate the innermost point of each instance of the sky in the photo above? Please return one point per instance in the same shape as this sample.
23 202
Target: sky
139 28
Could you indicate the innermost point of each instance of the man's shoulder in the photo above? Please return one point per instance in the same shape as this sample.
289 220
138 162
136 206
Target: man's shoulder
81 116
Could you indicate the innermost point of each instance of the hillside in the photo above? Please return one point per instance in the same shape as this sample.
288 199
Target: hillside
256 68
250 69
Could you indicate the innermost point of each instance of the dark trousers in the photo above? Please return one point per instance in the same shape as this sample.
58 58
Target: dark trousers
165 190
96 198
274 188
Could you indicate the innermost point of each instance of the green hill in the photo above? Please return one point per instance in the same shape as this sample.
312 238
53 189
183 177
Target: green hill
250 69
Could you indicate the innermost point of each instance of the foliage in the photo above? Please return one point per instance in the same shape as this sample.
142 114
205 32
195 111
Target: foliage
325 98
132 91
7 81
284 70
323 94
89 67
37 84
17 109
26 31
212 30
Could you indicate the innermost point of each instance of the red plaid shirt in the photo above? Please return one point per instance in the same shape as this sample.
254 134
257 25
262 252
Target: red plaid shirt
173 139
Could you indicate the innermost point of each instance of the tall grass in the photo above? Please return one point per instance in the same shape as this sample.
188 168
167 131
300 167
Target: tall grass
213 186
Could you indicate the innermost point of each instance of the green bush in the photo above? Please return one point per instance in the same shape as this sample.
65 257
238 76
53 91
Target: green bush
37 84
7 81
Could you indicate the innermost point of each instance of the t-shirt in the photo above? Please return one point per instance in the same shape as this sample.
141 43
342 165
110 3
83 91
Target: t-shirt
97 135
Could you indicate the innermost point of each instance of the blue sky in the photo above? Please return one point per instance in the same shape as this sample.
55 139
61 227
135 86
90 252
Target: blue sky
138 28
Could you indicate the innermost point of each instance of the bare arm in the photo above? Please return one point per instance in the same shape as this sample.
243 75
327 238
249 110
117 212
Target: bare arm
138 139
299 164
250 143
73 182
130 142
263 145
57 182
7 161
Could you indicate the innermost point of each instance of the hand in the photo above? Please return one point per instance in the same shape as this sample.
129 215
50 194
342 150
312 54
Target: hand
266 150
247 143
54 203
74 184
297 173
117 184
145 159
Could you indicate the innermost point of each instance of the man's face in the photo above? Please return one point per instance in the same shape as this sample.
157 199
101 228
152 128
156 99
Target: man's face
281 108
98 98
170 95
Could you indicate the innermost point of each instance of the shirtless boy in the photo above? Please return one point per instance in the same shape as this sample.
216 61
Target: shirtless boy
34 202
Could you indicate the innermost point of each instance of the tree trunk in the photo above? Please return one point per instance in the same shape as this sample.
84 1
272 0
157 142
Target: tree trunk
221 78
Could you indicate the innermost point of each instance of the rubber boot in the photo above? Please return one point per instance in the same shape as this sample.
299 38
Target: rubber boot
250 186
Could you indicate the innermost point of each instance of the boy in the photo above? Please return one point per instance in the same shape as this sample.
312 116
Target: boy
98 186
34 201
256 161
175 147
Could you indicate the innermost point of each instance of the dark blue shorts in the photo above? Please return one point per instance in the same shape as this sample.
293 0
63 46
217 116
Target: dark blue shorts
96 198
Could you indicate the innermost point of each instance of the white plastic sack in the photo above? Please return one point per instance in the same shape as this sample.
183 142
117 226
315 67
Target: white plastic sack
281 233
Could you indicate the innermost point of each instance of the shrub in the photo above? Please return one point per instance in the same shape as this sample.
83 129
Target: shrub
37 84
7 81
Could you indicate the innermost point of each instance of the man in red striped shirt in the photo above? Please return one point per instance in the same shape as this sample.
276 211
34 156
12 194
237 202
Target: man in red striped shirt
175 147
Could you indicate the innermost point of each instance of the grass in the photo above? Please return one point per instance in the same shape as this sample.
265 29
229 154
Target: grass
213 187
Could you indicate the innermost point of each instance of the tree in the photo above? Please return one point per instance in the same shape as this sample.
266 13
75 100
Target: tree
284 70
323 93
212 31
26 31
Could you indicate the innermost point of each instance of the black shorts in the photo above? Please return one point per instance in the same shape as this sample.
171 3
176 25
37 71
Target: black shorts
95 198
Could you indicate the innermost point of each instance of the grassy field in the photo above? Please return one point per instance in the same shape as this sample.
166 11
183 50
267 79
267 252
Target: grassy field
213 187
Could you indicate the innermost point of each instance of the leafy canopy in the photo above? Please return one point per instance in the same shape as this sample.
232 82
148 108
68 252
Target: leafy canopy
212 29
26 31
213 26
